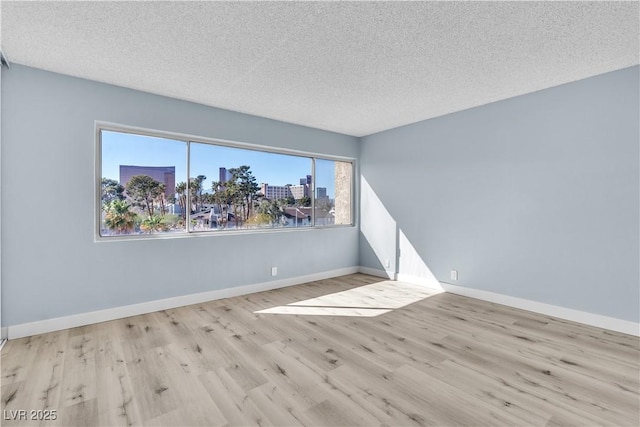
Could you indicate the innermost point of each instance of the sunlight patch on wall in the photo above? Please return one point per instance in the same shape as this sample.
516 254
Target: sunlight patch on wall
364 301
378 227
390 245
411 266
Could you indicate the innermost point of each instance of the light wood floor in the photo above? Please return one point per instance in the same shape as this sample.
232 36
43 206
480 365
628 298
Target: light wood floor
382 353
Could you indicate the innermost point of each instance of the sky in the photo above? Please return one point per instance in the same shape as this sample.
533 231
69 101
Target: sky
274 169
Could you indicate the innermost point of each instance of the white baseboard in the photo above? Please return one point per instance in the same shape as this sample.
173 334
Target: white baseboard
584 317
415 280
82 319
378 273
591 319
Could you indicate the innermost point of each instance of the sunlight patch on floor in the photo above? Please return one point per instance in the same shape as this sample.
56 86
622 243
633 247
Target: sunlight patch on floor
324 311
364 301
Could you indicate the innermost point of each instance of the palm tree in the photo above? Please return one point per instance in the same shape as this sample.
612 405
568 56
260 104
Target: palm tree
152 224
195 187
200 179
118 217
221 197
181 191
161 199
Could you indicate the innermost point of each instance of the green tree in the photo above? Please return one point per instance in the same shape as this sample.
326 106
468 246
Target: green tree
195 187
220 197
193 195
305 202
289 201
162 200
271 209
170 199
111 190
153 224
246 187
233 197
207 198
119 217
259 219
144 191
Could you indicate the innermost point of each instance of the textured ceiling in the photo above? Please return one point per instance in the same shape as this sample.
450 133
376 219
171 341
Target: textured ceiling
350 67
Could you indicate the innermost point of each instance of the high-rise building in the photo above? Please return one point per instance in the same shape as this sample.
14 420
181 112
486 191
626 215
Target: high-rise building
306 180
299 191
225 175
321 193
163 174
302 190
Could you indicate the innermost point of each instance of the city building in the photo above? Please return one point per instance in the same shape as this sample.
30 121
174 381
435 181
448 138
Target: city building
306 180
275 192
299 191
321 193
224 175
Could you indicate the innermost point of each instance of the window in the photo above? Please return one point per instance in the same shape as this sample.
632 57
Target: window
138 189
236 188
153 184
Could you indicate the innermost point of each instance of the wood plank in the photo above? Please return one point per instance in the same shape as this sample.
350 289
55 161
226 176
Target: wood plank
430 359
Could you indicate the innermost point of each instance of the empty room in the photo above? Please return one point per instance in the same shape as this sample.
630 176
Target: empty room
319 213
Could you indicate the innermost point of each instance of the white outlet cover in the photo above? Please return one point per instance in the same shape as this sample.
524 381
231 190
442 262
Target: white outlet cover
274 271
454 274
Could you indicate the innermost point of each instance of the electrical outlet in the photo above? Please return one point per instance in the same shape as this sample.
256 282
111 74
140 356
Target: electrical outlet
274 271
387 263
454 274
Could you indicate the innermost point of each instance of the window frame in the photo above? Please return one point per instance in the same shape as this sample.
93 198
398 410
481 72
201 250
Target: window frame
188 139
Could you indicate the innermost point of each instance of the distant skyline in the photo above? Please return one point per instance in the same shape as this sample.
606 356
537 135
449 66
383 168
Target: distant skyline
272 168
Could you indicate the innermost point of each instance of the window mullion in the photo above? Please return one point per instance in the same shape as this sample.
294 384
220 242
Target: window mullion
313 191
187 205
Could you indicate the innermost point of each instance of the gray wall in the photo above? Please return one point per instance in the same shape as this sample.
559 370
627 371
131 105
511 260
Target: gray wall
534 197
52 267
